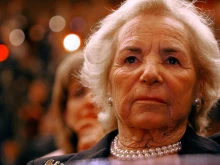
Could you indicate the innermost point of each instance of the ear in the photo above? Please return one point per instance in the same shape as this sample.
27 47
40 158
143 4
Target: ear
109 89
199 89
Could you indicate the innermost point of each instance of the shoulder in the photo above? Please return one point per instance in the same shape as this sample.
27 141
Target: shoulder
195 144
55 153
216 138
54 159
100 150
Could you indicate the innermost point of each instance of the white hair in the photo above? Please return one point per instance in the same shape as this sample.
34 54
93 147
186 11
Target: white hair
100 50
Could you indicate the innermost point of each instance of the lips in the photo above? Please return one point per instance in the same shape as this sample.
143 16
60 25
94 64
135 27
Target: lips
88 123
151 99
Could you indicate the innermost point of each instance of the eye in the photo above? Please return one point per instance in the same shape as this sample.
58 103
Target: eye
80 92
130 59
172 61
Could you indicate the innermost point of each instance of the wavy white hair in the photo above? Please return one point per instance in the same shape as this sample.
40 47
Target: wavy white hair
100 50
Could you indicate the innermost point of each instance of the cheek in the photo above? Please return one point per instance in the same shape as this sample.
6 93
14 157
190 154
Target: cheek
121 82
71 112
122 91
183 92
181 106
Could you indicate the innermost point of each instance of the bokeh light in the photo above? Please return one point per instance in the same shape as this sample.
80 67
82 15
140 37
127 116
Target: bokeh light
4 52
72 42
17 37
57 23
36 32
78 24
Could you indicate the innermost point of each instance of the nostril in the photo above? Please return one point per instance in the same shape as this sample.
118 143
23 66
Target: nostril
151 75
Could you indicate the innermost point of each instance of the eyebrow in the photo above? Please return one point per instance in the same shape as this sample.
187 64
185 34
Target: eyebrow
131 49
170 50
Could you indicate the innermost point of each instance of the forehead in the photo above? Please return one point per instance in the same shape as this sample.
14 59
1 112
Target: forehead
154 25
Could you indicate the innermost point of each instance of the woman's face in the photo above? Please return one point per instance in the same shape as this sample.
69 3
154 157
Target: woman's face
81 115
152 80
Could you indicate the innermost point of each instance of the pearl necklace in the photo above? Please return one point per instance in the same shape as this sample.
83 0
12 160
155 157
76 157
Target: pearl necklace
144 153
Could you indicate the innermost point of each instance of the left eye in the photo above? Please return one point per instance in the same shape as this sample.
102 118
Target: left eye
173 61
80 92
130 59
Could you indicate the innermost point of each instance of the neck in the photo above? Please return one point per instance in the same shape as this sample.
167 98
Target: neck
132 139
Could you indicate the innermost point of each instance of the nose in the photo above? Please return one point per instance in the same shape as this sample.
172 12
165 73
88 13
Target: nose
89 99
89 107
151 73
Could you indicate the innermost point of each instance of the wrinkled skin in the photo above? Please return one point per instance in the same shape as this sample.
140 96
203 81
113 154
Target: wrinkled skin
152 81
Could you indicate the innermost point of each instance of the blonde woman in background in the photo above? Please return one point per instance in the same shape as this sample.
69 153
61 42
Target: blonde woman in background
74 115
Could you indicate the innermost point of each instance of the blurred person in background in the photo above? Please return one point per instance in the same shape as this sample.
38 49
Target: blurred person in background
9 152
33 108
36 136
41 144
73 114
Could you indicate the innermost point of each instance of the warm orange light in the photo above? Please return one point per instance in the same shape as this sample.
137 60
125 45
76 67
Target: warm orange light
72 42
4 52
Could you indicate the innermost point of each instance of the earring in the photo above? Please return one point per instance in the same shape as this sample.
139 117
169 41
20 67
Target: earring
197 102
110 101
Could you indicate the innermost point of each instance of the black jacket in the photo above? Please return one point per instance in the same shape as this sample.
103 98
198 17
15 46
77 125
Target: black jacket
191 144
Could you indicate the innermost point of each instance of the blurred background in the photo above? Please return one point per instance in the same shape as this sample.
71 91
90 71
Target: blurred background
35 35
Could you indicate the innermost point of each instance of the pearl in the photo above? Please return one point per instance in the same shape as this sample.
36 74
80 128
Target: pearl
160 153
164 148
158 149
166 152
151 150
169 147
153 154
144 153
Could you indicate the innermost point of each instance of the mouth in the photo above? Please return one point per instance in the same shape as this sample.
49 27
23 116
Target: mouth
152 100
86 124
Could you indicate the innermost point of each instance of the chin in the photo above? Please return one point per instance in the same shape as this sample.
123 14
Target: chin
152 126
151 123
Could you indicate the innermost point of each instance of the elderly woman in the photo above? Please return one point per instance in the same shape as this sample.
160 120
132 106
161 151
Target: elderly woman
154 70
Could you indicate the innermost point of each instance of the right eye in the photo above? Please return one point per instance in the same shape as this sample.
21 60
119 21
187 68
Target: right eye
130 59
173 61
80 92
